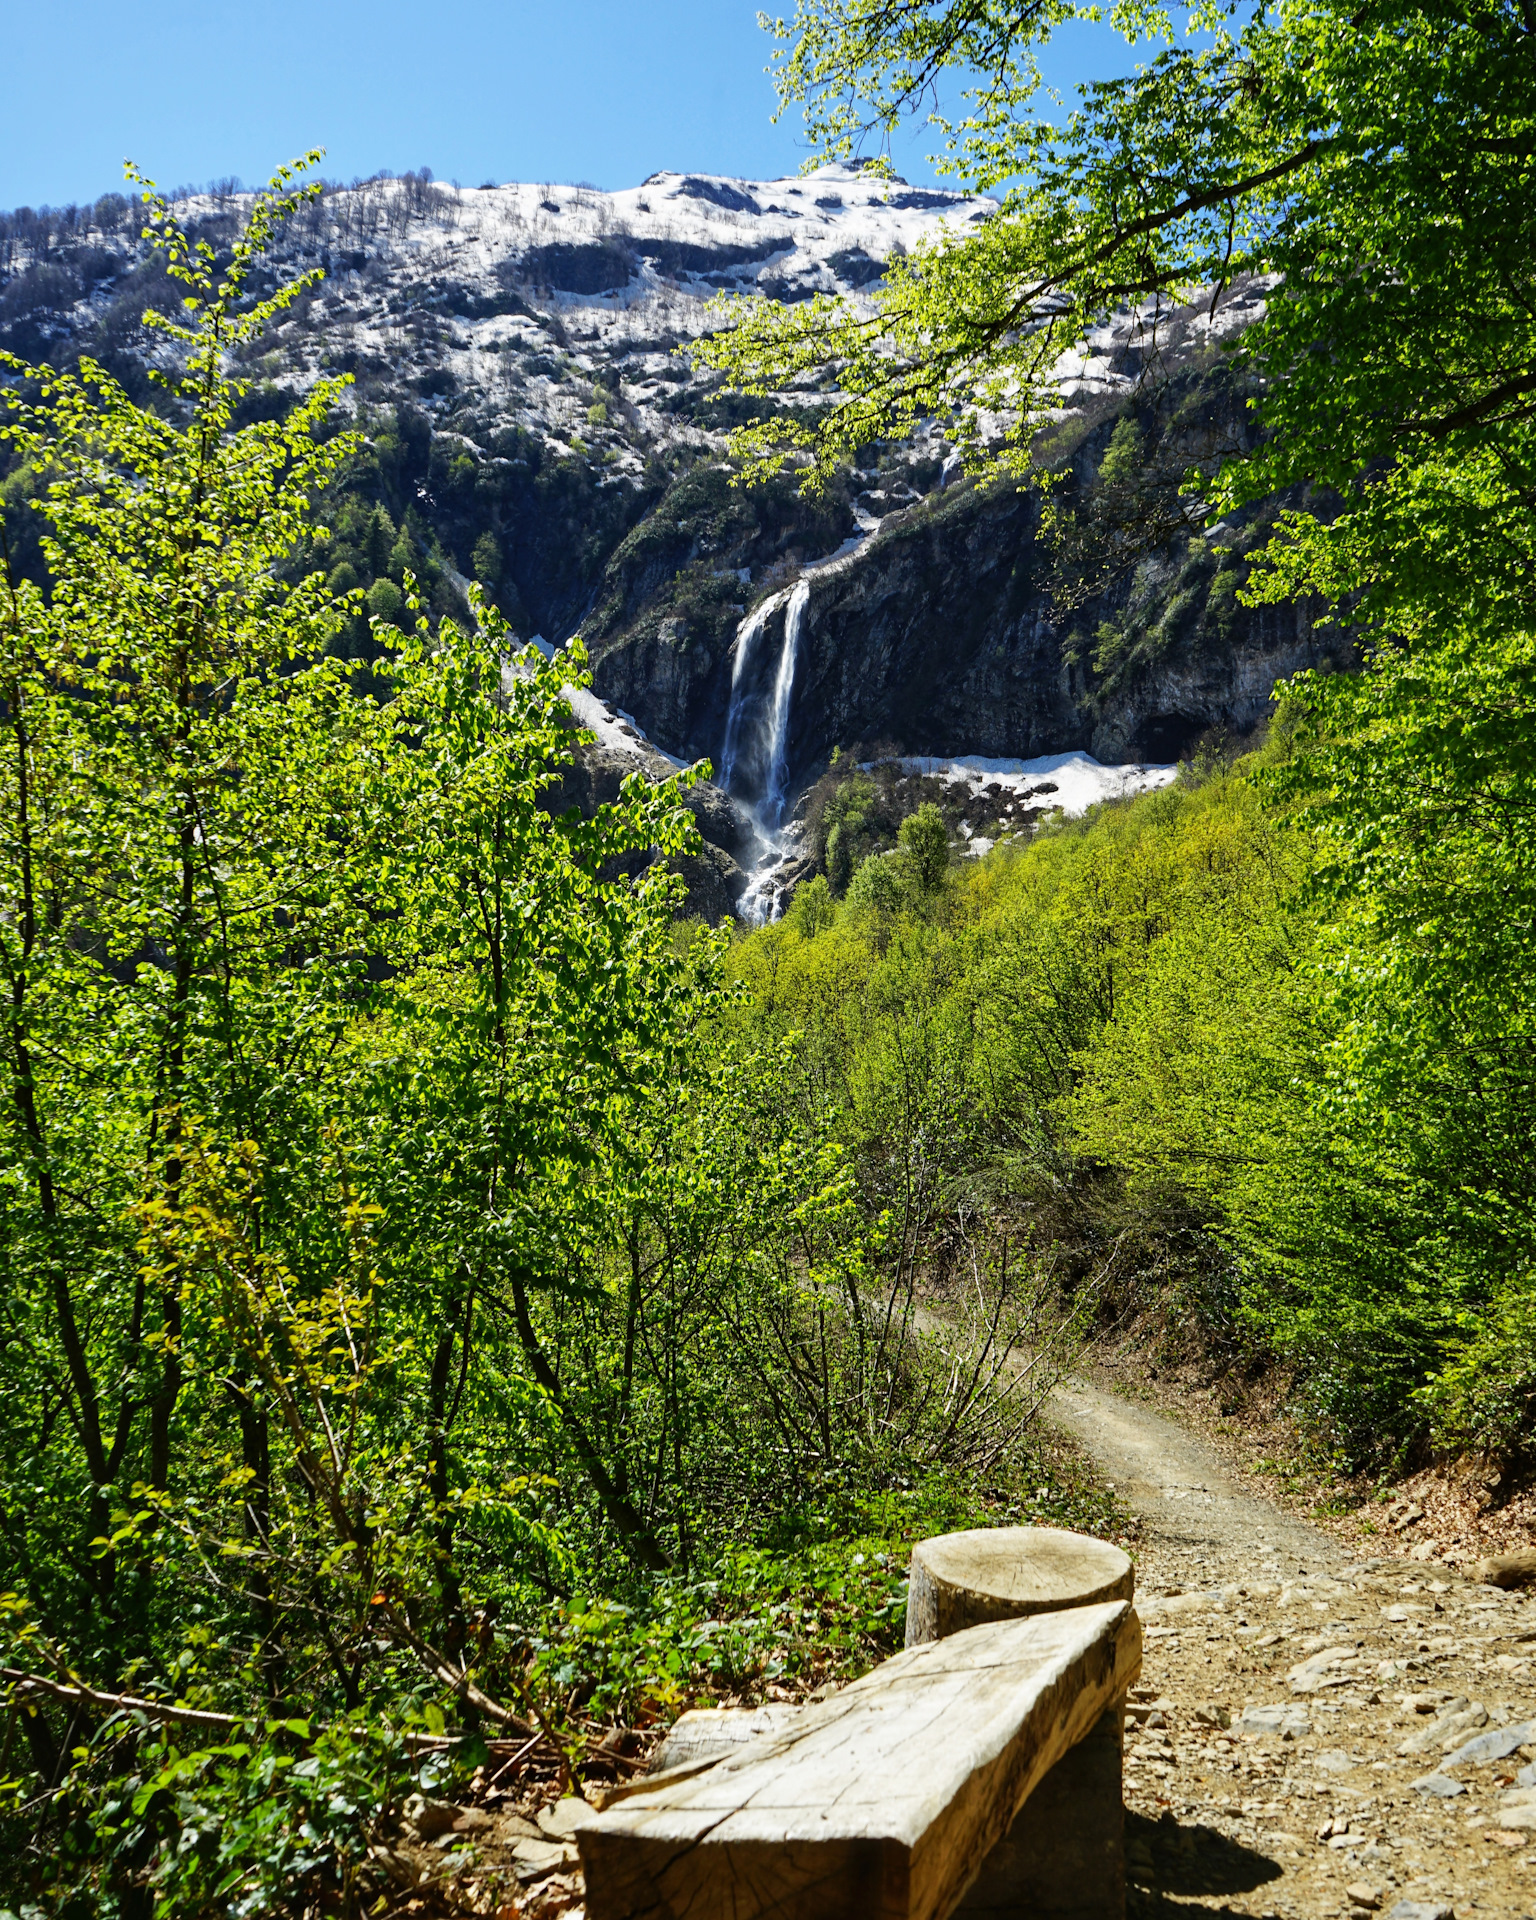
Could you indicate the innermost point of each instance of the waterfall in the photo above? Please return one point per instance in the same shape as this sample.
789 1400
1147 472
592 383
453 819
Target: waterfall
746 638
778 714
755 752
757 732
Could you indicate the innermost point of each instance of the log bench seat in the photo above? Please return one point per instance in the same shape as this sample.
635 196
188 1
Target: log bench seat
900 1797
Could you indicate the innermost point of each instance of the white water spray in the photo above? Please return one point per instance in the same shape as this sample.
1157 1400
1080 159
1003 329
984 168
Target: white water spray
746 639
756 741
778 713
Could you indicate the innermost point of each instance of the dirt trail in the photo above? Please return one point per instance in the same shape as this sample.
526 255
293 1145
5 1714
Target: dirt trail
1298 1746
1194 1518
1315 1736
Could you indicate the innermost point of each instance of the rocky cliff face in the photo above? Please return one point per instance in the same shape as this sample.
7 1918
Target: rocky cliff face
954 627
529 420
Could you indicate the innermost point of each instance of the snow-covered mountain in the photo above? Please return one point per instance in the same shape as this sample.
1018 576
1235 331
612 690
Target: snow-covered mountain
506 296
515 360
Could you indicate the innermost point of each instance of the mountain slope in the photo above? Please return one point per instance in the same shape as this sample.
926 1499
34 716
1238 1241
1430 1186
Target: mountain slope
515 364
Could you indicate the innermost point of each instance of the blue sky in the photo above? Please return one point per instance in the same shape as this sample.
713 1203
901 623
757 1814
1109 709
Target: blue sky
599 90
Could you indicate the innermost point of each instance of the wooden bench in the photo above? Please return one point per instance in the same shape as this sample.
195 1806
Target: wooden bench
977 1774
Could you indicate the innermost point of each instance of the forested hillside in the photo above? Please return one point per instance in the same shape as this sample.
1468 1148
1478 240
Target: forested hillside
1128 1040
1340 1075
461 1305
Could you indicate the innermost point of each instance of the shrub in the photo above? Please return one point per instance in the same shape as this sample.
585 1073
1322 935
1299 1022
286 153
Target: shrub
880 885
924 840
486 560
385 601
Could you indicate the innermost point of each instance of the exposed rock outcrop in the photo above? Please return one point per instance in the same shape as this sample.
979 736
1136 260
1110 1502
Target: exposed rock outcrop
956 628
714 875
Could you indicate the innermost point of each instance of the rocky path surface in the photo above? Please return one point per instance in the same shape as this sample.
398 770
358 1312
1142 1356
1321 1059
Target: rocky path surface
1315 1734
1193 1516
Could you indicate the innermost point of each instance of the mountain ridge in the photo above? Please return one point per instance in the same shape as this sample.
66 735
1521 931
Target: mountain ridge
518 365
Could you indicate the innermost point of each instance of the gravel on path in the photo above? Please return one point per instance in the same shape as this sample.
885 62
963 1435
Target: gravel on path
1314 1733
1192 1514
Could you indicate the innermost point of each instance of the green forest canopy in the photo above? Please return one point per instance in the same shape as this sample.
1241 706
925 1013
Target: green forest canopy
1374 168
445 1296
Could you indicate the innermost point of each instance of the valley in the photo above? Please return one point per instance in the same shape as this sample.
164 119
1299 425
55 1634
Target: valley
703 878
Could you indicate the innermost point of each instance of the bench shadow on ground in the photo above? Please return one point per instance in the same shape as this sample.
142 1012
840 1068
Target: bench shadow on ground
1167 1863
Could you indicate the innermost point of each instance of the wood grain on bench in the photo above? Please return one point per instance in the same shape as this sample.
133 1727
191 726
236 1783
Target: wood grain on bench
882 1801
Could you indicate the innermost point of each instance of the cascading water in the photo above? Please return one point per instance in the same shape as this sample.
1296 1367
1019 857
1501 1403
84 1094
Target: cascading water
756 741
754 757
778 713
746 640
754 754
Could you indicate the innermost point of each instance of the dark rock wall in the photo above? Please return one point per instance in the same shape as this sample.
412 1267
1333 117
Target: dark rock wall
933 639
960 627
942 636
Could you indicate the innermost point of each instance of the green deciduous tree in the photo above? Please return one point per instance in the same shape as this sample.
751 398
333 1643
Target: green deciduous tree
1323 146
181 760
924 843
399 1230
1369 170
385 600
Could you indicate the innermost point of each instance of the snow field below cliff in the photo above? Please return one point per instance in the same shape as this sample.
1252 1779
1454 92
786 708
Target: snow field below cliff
1065 783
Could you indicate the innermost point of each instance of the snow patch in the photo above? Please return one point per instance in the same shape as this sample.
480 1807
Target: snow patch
1076 781
614 728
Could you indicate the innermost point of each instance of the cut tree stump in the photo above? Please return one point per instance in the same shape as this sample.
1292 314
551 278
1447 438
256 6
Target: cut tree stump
960 1580
1064 1856
880 1803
